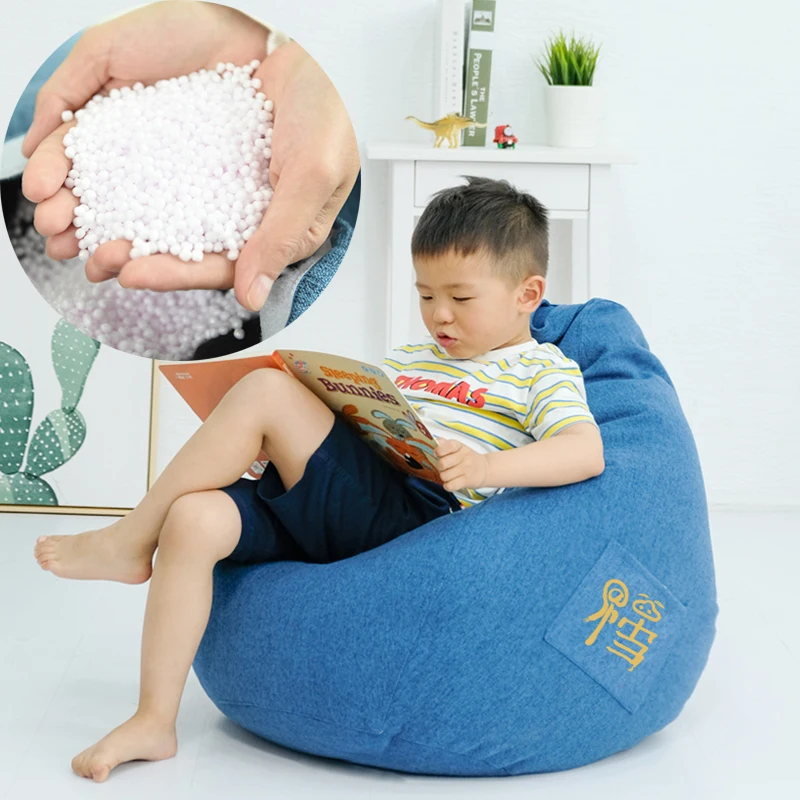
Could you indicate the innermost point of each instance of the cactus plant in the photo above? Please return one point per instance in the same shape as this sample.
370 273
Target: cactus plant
16 408
73 355
6 490
59 435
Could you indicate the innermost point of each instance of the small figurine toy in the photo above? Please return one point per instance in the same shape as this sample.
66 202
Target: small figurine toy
448 128
504 137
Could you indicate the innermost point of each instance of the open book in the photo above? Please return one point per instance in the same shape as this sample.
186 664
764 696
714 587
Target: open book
360 394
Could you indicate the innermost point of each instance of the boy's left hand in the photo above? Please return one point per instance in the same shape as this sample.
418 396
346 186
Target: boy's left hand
460 467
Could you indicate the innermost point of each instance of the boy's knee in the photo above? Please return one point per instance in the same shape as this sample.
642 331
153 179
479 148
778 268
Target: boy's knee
200 522
265 382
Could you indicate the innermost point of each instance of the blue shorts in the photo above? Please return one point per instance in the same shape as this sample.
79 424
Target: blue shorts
349 500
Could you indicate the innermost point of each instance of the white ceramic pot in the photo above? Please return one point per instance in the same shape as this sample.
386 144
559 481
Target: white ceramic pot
572 114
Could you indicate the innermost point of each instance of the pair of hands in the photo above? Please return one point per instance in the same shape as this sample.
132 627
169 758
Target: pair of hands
314 162
461 467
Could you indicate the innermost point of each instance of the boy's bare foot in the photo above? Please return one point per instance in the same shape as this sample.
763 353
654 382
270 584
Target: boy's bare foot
108 554
141 738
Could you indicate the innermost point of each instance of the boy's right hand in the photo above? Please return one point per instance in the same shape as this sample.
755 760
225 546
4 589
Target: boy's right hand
461 467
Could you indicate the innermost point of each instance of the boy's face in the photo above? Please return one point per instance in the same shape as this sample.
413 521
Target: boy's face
470 310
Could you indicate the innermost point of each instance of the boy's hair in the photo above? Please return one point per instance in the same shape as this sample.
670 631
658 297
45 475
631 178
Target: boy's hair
490 215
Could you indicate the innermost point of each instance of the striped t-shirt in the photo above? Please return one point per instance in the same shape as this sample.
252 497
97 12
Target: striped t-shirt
505 398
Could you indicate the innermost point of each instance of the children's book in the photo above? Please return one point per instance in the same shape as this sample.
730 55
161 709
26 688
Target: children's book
360 394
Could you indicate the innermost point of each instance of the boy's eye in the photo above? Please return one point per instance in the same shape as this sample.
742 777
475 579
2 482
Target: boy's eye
462 299
425 297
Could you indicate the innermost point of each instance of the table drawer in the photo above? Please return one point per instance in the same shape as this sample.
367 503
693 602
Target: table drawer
556 186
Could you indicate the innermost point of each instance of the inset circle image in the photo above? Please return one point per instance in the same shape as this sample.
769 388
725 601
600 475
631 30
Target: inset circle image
180 181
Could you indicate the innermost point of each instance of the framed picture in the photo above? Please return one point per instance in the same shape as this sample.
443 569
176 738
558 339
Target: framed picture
77 418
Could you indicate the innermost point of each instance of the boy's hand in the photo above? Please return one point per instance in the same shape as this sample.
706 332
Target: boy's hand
460 466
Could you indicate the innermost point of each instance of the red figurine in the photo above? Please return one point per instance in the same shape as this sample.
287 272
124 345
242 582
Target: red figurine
504 136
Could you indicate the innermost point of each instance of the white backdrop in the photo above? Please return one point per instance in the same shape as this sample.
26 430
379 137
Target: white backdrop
706 241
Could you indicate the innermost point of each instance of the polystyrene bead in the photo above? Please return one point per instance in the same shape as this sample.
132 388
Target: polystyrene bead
147 161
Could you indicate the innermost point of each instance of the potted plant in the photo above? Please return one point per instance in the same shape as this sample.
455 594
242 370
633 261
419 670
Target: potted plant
572 102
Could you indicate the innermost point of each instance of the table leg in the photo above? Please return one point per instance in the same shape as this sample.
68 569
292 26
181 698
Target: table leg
599 225
399 266
579 276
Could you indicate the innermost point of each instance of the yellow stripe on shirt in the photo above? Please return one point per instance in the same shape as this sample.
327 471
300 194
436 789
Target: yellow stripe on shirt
512 423
555 404
444 369
505 402
545 393
458 372
565 423
555 371
477 433
416 348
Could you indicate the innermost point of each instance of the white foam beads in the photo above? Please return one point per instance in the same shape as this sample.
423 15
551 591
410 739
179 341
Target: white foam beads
165 325
179 167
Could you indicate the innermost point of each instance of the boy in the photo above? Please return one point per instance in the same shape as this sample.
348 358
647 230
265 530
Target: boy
483 385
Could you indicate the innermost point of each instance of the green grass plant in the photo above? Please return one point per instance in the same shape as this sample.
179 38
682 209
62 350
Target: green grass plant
569 62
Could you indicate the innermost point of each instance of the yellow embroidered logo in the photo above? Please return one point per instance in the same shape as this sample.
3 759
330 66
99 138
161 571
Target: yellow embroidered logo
615 596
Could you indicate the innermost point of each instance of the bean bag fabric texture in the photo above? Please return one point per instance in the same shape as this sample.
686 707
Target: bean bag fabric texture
541 630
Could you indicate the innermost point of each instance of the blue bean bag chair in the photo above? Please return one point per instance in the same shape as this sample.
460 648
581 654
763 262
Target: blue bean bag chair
541 630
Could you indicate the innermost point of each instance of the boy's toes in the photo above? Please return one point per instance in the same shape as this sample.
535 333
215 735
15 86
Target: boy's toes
43 545
98 772
45 551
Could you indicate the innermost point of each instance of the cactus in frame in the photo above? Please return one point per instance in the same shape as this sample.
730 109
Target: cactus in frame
59 435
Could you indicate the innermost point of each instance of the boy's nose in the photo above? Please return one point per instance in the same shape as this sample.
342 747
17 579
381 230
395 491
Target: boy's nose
442 314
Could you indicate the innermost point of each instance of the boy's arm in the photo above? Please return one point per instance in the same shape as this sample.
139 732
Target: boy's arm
572 455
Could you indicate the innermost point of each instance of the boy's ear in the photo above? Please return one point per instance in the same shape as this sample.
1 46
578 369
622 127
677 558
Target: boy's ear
531 293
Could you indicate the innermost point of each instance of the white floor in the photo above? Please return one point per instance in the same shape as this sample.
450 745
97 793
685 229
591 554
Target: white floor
69 670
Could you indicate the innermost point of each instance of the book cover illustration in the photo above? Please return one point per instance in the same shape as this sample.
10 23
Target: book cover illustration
365 397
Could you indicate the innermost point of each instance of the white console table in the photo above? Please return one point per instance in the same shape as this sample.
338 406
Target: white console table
572 183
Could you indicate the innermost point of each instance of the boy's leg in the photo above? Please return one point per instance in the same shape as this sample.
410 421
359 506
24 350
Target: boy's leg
266 409
200 529
350 500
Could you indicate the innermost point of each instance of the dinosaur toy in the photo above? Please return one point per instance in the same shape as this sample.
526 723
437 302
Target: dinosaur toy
448 128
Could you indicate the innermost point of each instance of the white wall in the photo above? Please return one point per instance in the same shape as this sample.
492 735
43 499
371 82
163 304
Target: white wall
706 243
706 240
